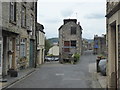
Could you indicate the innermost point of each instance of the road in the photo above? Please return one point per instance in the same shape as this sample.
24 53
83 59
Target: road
55 75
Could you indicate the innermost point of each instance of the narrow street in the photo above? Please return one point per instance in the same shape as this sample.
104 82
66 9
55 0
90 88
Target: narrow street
55 75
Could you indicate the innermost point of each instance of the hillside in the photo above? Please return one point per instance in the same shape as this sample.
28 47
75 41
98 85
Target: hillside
53 40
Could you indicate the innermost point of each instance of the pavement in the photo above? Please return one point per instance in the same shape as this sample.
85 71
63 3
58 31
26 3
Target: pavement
12 80
102 80
55 75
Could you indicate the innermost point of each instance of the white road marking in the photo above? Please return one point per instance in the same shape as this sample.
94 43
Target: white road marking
59 74
92 67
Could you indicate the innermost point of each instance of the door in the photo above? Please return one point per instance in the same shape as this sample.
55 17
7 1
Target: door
113 56
10 55
118 56
0 56
31 62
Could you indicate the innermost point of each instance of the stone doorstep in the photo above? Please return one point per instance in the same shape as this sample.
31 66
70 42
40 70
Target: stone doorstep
17 79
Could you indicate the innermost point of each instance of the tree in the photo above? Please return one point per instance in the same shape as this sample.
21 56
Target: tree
47 46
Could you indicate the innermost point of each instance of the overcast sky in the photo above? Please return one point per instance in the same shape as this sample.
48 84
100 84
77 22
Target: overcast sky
90 14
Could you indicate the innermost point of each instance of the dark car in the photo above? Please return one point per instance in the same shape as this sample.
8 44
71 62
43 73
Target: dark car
102 66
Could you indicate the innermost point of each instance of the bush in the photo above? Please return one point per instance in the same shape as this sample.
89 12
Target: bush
76 57
50 55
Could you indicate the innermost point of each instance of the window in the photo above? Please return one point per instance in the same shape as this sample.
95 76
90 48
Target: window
23 17
38 37
66 50
32 5
73 30
32 24
66 43
0 53
73 43
23 48
12 11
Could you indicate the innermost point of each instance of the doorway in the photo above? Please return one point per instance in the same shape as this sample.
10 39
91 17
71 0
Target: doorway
31 62
113 55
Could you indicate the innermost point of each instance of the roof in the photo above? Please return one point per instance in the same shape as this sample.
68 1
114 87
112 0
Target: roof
40 27
69 20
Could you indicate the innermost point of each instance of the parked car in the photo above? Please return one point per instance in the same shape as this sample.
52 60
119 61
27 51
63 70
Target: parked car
56 58
49 58
102 66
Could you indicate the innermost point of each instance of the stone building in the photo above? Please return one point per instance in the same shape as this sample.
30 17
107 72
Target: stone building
40 44
84 45
87 44
70 38
113 43
99 44
18 35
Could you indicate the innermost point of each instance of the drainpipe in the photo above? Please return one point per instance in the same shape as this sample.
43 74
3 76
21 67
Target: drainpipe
35 34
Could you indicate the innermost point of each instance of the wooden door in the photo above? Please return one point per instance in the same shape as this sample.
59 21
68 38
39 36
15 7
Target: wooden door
31 62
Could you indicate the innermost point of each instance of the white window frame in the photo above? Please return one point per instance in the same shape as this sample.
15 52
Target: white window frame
1 55
23 42
32 24
12 11
23 16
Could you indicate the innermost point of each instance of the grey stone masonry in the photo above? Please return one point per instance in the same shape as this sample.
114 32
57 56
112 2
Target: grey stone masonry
70 32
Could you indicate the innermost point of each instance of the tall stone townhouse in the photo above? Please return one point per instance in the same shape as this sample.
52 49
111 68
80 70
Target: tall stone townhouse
113 43
17 44
99 44
70 38
40 44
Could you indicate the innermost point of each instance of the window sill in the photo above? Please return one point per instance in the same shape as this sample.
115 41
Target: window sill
23 27
13 22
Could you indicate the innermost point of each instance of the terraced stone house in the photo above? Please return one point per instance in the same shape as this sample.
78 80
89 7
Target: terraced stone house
18 35
113 43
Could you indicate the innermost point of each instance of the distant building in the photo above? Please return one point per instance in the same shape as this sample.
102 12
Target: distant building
87 44
99 44
84 45
113 43
40 44
70 38
54 50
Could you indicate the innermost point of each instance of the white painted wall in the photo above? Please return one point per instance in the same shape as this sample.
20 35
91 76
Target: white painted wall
54 50
40 47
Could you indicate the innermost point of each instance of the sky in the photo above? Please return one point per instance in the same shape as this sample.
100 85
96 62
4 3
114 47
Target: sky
90 14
